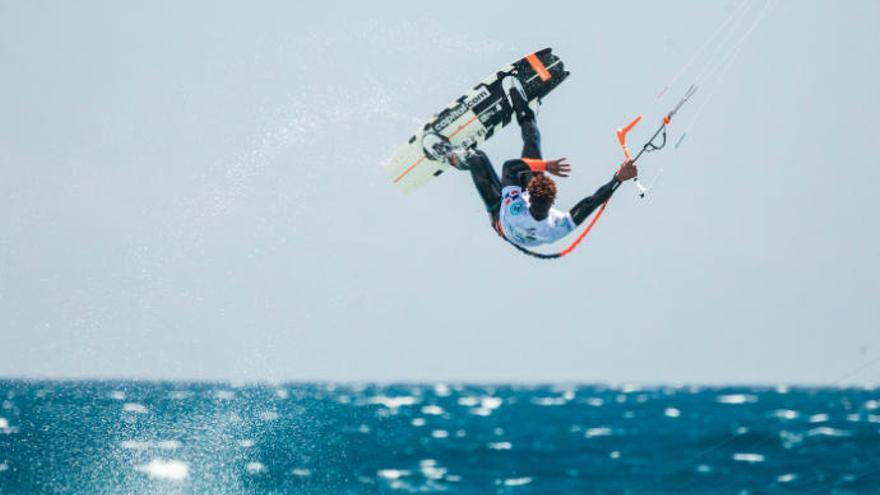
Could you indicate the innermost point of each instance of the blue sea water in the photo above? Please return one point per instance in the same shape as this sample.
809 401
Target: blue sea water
221 438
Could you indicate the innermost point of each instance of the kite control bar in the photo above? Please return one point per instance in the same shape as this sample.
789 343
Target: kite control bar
621 136
651 145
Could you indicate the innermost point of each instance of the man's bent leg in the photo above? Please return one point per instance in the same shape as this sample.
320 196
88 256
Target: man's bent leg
485 180
531 137
528 126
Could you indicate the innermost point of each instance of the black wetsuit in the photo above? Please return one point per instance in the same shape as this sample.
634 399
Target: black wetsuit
516 173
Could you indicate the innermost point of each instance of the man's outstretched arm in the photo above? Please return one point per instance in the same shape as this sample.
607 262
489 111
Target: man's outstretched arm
585 207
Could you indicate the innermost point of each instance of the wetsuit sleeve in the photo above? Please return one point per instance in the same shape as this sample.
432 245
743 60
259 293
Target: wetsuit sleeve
516 173
586 206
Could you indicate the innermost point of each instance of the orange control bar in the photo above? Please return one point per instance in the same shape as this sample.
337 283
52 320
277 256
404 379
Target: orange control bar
621 135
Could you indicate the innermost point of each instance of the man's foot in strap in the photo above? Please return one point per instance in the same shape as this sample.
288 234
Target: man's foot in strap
458 158
437 147
517 98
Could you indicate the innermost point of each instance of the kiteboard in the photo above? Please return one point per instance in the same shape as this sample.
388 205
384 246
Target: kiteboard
472 119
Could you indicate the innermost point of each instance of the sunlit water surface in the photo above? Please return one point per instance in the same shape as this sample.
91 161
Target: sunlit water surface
221 438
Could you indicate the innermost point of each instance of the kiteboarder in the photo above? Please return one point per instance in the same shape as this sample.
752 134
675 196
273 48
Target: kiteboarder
520 204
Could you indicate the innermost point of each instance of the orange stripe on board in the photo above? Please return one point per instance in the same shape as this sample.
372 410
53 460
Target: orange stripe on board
462 126
414 165
536 64
420 160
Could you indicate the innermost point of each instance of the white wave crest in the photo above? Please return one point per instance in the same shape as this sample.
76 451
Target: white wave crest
598 432
517 481
826 431
134 407
165 470
500 445
736 399
748 457
393 402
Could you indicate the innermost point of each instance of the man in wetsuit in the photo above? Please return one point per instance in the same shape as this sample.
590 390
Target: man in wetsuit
520 203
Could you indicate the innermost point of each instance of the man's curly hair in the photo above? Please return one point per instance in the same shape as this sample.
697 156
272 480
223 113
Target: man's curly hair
542 191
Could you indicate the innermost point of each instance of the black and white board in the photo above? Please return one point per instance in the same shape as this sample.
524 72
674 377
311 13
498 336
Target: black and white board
472 119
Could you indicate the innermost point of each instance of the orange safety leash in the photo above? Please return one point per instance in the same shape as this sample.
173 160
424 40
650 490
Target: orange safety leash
586 231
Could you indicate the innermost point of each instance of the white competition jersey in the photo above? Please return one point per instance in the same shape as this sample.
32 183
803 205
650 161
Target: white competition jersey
520 227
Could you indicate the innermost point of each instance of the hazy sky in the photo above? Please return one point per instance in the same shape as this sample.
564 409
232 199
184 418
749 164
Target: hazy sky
194 190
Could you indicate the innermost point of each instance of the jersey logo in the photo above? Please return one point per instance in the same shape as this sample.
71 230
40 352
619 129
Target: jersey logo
516 208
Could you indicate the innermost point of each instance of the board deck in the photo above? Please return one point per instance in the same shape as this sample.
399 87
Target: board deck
472 119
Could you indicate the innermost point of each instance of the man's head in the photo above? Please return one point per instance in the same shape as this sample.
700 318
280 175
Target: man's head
542 194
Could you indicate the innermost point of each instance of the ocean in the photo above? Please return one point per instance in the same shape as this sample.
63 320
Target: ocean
106 437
